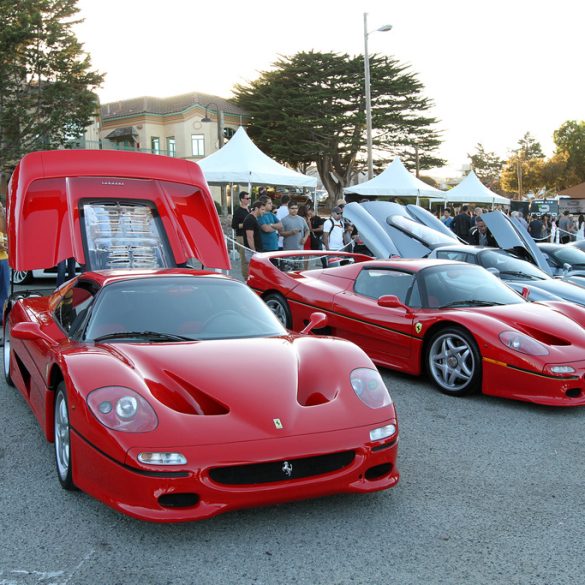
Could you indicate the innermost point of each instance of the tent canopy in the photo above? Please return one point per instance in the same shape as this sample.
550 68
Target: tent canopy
471 190
396 181
241 161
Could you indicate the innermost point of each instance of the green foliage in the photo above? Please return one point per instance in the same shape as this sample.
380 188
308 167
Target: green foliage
46 96
524 170
310 108
487 166
570 142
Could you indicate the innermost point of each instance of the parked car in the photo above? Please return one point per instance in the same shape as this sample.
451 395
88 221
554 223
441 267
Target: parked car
455 321
124 366
393 230
564 260
27 276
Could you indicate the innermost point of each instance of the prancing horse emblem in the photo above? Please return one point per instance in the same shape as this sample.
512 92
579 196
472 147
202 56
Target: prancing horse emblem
277 423
287 468
418 327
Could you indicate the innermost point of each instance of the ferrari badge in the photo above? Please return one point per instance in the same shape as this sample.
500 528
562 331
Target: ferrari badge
418 327
277 423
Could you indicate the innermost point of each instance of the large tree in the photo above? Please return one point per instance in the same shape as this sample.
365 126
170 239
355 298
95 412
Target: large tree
46 82
310 108
524 170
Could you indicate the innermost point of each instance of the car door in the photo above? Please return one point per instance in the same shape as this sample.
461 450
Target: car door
384 333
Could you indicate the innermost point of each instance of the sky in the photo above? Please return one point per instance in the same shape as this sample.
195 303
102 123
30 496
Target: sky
493 69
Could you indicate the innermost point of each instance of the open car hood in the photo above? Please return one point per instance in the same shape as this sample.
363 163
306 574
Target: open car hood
390 229
159 210
511 235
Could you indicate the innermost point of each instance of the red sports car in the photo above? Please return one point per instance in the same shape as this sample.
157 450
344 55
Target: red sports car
174 394
456 321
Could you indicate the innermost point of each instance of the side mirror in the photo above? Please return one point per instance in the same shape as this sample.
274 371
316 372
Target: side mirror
317 320
567 267
30 332
391 302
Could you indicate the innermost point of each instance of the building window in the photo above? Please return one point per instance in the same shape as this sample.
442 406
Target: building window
198 144
172 146
155 145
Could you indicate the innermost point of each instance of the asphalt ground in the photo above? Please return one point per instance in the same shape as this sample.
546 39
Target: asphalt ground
491 492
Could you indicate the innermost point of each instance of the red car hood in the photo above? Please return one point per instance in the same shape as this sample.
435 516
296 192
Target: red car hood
237 390
563 335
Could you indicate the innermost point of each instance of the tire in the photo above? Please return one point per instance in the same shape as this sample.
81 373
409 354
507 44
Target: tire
21 276
279 306
6 353
63 461
453 362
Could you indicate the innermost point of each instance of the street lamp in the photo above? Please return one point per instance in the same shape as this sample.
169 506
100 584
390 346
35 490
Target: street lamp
207 119
384 28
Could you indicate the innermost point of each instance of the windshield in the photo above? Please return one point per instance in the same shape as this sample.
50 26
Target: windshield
189 308
510 268
463 285
569 255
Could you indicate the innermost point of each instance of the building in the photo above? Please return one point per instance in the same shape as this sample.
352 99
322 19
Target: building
185 126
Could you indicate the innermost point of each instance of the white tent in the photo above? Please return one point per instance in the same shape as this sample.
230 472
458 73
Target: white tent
241 161
396 181
471 190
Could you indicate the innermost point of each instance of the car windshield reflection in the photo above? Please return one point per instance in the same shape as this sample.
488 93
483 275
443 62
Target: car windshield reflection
179 308
510 268
463 286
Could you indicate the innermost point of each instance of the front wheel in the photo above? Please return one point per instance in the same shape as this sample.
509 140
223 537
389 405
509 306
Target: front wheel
63 439
453 362
6 353
279 306
21 276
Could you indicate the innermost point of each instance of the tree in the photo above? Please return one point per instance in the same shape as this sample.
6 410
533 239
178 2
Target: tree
570 142
487 166
524 170
47 88
310 108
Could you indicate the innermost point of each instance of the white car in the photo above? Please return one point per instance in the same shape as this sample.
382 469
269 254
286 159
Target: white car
26 276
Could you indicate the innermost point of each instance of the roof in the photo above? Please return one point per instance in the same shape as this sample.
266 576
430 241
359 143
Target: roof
241 161
576 192
168 105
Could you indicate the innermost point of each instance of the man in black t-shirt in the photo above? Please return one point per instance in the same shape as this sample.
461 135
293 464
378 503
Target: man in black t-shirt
462 224
238 226
252 238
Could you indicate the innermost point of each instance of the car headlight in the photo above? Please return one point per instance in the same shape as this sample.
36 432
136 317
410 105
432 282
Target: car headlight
522 343
562 371
370 388
122 409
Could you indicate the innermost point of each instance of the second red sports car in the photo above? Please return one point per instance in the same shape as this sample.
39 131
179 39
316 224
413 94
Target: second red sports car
456 321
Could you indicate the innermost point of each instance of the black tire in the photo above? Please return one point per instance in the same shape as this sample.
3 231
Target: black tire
6 353
21 276
63 452
453 362
279 306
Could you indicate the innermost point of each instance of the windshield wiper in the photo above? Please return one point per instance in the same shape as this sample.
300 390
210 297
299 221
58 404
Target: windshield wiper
151 335
521 274
470 303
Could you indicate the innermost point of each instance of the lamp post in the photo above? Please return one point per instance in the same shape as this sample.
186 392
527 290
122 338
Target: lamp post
207 119
384 28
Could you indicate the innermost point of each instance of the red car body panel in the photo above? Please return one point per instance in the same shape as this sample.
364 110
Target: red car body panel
46 188
275 405
395 337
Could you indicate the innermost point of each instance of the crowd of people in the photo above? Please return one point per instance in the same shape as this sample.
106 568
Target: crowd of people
258 227
468 224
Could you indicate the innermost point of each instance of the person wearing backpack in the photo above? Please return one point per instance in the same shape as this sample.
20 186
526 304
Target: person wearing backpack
333 230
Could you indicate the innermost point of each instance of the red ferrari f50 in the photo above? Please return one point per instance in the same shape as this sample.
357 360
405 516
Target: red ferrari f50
172 394
456 321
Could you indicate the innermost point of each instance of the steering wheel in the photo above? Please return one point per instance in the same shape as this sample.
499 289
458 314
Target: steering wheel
219 315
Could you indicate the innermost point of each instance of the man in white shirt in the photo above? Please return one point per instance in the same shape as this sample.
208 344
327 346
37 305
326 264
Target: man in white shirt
333 229
281 213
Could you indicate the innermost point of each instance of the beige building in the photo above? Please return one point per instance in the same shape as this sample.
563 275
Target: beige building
184 126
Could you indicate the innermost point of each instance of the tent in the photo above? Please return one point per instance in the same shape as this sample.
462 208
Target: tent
395 180
471 190
241 161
